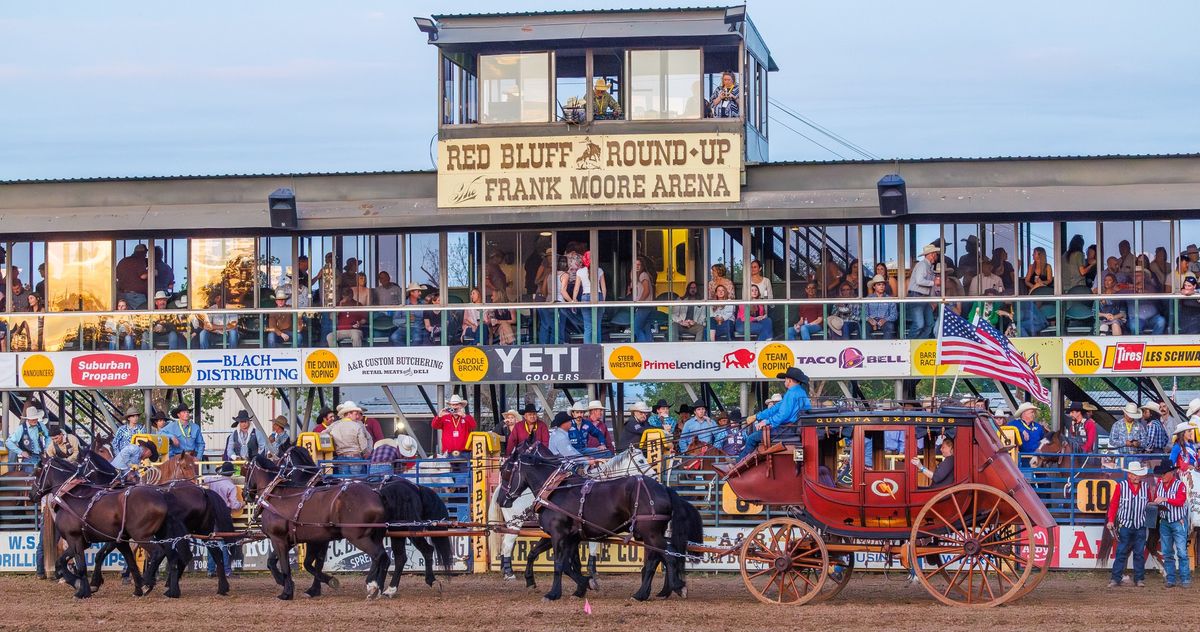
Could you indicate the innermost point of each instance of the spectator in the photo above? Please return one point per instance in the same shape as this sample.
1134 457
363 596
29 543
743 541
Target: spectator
158 421
216 327
185 437
409 329
1082 430
1040 273
882 315
383 457
642 291
845 319
1171 496
721 321
685 413
244 442
20 298
1182 271
469 333
811 318
1003 268
1075 266
373 428
1183 451
605 107
62 446
510 418
280 324
637 423
568 319
1113 266
165 326
724 101
120 328
1126 261
1189 306
325 418
1127 517
717 279
362 293
278 441
687 318
758 280
881 272
530 426
350 439
1150 283
303 280
164 274
583 294
35 303
774 399
349 276
431 319
386 292
761 326
662 417
131 273
224 486
1144 315
1091 267
1032 431
456 425
921 284
733 433
597 445
1156 434
28 441
699 429
1111 312
987 279
349 323
123 436
1160 270
495 278
501 322
1128 435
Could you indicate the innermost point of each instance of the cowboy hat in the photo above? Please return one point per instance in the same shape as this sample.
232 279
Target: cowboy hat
1136 468
878 278
407 446
161 295
413 287
455 399
241 416
601 84
684 408
561 418
1150 406
280 421
1090 407
930 249
391 442
180 408
156 414
512 412
33 411
662 403
735 415
149 445
640 407
594 404
1131 409
698 404
132 411
1193 407
283 292
794 373
529 408
1024 407
578 407
1163 468
348 407
226 469
1183 427
1075 407
1001 411
776 397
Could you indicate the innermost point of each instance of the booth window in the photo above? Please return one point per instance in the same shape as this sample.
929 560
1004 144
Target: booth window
665 84
608 66
516 88
78 276
459 83
223 270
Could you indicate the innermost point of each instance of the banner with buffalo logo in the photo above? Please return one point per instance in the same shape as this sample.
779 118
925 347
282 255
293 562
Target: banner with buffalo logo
1131 355
102 369
527 363
658 362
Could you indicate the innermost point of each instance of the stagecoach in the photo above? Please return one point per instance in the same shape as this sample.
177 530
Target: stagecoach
844 483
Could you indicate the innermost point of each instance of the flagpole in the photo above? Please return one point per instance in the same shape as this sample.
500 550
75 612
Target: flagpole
937 348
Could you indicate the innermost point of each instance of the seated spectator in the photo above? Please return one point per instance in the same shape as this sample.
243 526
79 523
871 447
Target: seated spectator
431 319
217 327
501 322
1144 315
1189 307
471 320
881 272
724 101
1040 273
349 324
845 319
280 324
409 326
120 328
721 321
688 319
997 314
882 315
761 327
987 279
1110 311
718 278
386 292
165 326
362 293
811 316
1160 270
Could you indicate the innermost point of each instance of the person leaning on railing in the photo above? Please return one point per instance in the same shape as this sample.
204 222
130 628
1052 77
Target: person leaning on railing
350 438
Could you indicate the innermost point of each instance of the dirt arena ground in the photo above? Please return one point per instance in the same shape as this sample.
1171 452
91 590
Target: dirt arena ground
1072 601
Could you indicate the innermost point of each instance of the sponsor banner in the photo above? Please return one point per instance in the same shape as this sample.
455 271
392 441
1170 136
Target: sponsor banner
651 362
100 369
19 548
527 363
1045 355
232 367
1132 355
591 169
836 359
377 365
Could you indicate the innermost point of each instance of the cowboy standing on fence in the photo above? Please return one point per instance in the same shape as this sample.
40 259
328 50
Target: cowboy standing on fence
29 440
244 442
185 435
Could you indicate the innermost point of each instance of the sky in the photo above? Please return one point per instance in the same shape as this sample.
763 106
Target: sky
141 88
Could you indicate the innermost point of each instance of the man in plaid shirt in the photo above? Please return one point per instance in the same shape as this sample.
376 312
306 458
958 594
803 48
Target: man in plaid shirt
1129 434
1156 433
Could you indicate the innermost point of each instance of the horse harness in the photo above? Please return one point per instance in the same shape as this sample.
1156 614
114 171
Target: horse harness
58 500
552 484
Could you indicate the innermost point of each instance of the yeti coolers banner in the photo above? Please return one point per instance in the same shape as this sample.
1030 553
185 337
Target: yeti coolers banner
527 363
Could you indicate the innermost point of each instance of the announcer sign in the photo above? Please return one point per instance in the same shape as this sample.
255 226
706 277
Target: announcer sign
592 169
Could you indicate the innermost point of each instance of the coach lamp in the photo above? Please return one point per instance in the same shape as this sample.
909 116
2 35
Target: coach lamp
893 196
427 26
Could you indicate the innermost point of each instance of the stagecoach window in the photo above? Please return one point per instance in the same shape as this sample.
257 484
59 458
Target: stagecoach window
665 84
515 88
833 466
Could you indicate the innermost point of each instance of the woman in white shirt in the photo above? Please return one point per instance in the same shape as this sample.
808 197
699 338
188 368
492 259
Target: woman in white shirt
641 289
362 293
759 281
720 323
583 293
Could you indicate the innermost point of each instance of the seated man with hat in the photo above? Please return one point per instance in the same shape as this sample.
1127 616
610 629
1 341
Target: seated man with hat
662 417
1032 431
350 438
244 443
1129 434
638 422
278 441
589 433
62 445
562 445
123 435
699 429
28 440
158 421
529 426
795 401
132 455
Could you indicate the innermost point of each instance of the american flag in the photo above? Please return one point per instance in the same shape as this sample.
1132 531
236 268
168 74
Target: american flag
982 350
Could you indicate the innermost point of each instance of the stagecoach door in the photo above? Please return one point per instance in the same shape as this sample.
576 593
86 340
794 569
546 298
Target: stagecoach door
885 487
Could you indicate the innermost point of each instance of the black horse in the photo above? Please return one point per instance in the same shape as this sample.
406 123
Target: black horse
85 513
578 509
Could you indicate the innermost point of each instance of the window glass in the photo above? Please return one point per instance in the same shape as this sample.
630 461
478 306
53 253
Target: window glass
960 249
516 87
27 275
833 456
879 256
719 61
1081 264
458 89
423 259
570 86
665 84
79 276
805 252
768 258
1187 262
1037 258
223 272
1155 257
842 264
725 261
609 66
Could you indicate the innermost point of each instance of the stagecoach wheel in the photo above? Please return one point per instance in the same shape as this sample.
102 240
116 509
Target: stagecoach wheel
841 566
983 540
784 561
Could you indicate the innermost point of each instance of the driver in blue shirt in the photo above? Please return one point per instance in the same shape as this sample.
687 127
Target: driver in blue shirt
795 401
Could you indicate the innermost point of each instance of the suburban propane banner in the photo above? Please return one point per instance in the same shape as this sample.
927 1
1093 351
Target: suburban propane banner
65 369
1132 355
592 169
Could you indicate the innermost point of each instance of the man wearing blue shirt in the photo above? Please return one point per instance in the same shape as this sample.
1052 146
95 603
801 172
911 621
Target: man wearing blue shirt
29 439
795 401
185 436
1027 424
700 428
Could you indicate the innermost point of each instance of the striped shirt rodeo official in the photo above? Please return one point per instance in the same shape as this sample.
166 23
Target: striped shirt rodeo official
1127 516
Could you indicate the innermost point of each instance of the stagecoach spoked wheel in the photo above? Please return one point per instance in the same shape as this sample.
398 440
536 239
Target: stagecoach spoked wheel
784 561
841 566
971 545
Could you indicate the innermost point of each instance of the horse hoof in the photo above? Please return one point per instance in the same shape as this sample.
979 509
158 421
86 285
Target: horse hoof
683 592
593 584
333 582
390 592
372 590
283 597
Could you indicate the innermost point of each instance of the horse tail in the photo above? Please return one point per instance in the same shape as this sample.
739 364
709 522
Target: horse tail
687 525
434 508
1106 545
221 514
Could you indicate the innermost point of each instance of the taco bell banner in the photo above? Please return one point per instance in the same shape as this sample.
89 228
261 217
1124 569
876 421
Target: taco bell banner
528 363
650 362
849 360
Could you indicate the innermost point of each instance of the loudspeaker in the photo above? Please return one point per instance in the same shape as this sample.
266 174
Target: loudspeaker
893 197
282 204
